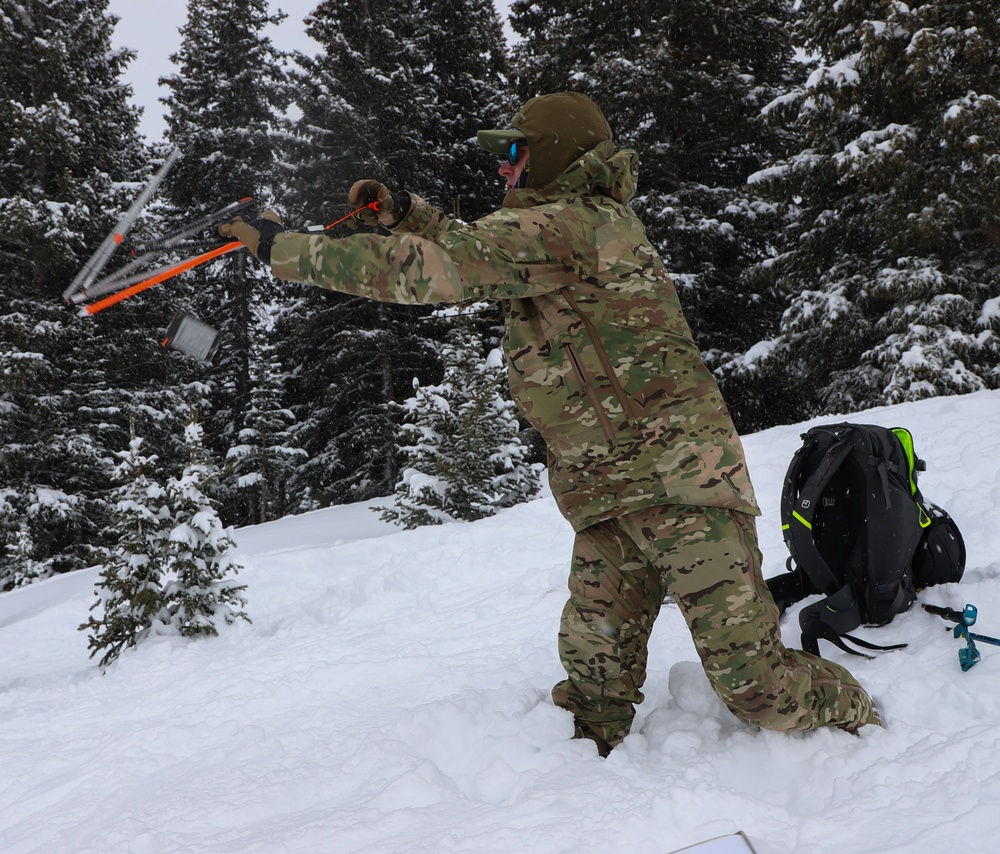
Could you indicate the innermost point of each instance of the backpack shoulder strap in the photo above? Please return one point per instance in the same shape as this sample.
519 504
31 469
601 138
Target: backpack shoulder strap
789 487
794 585
802 508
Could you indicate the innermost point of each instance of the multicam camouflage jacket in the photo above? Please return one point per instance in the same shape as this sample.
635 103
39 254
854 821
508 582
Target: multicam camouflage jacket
600 358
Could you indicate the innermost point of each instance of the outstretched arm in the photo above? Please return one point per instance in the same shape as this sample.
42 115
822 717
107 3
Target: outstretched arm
430 258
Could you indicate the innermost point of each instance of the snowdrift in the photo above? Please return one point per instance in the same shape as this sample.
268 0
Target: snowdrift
391 695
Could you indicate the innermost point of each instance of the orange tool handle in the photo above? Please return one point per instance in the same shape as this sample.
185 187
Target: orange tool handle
169 273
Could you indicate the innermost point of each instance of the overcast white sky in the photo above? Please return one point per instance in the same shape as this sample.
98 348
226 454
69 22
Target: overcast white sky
152 30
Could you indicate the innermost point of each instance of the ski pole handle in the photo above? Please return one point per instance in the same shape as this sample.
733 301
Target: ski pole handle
945 613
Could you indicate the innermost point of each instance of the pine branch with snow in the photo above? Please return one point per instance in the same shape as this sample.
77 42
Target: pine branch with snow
888 263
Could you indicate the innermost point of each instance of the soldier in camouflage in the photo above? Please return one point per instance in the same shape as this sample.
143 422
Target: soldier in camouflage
644 460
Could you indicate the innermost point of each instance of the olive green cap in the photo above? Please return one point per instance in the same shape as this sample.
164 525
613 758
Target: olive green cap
498 141
558 128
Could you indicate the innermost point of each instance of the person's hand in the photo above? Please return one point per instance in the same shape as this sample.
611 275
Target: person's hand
390 207
256 234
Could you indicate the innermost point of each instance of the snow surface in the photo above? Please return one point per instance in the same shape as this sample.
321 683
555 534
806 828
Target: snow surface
391 695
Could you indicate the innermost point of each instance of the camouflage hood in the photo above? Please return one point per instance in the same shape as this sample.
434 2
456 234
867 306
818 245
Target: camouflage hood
599 172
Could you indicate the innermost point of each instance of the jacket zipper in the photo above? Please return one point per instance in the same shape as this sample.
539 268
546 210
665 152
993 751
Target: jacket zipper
595 401
627 404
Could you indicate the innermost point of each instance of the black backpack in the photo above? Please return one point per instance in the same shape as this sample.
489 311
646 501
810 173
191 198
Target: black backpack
859 532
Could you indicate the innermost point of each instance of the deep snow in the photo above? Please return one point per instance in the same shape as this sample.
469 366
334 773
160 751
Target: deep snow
391 695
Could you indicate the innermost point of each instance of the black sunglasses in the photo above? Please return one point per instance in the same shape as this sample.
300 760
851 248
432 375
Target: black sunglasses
514 152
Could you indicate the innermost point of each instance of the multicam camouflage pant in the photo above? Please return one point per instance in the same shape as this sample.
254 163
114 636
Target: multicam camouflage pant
709 560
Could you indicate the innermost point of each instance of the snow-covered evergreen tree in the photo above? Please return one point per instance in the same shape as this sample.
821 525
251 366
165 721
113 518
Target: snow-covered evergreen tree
347 361
462 458
890 261
201 591
130 598
225 105
264 460
360 100
463 91
21 548
365 106
70 160
12 559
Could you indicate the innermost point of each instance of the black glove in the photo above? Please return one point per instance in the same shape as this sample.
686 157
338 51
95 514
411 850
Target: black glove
392 207
256 233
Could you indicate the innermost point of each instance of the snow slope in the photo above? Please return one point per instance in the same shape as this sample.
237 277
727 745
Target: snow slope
391 695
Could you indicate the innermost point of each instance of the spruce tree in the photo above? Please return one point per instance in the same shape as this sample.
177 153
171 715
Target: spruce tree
362 108
464 87
364 112
684 84
347 361
200 592
264 461
130 598
462 456
225 103
21 548
70 161
890 258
